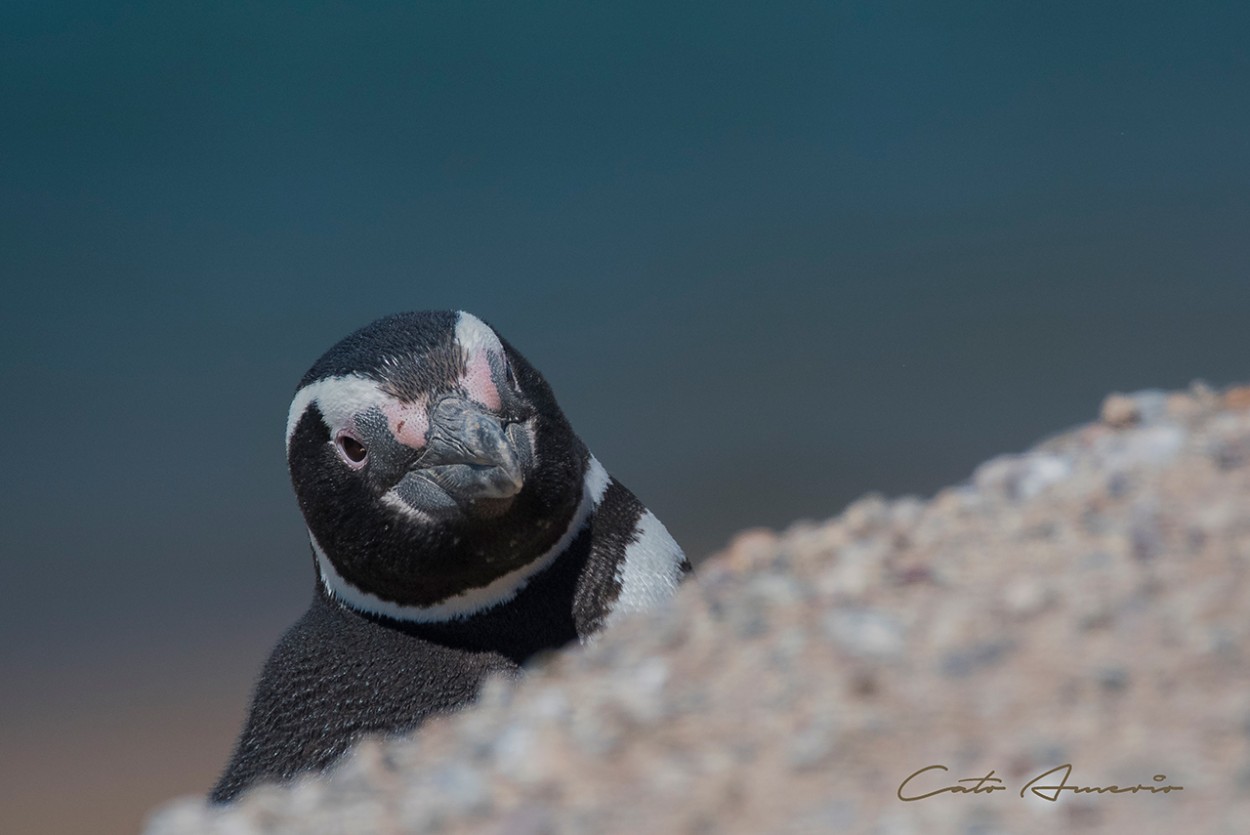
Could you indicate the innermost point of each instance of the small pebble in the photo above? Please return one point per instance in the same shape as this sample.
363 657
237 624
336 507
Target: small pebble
1237 398
1120 411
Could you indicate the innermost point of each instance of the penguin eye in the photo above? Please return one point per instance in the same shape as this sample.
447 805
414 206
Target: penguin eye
352 450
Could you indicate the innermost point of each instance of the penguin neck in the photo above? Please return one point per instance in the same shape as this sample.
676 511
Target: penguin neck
472 601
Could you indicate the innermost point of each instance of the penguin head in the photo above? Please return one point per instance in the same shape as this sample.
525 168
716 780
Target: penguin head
429 460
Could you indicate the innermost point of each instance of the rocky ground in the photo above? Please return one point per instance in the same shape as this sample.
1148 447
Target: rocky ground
1083 603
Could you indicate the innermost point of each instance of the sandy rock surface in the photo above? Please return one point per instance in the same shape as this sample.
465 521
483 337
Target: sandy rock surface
1084 603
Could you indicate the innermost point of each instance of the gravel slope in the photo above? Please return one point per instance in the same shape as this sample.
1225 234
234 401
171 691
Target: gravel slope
1085 602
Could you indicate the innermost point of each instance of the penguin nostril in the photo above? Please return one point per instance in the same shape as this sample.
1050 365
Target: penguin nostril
353 450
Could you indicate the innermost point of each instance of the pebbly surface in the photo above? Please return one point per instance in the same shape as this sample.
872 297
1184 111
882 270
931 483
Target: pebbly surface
1086 602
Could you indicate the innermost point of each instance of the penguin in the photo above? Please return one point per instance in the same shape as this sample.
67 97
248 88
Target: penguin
458 527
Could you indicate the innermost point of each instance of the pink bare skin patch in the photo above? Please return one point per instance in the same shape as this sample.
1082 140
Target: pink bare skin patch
477 381
409 422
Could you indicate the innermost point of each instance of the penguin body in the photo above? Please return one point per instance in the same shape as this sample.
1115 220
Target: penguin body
458 527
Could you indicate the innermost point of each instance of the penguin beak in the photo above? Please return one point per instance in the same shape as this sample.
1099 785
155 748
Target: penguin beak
471 461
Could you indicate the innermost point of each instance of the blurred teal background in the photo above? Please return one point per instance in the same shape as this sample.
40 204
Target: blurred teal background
769 255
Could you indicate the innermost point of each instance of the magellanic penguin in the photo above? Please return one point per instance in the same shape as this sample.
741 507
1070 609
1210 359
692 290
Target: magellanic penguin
458 527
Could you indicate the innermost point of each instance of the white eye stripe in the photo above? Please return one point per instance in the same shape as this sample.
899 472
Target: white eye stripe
484 357
337 398
473 335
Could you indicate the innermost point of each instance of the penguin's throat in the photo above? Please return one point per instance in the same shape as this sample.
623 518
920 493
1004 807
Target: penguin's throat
472 600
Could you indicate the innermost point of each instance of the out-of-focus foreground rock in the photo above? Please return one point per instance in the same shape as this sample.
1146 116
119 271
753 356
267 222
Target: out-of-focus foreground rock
1087 602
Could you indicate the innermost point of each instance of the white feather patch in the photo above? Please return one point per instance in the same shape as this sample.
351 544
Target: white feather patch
597 480
500 590
395 503
473 335
337 398
650 570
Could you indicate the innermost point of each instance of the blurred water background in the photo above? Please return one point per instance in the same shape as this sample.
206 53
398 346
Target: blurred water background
769 255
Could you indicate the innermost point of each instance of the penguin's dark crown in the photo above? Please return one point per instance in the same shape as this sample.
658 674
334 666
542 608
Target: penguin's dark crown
433 466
